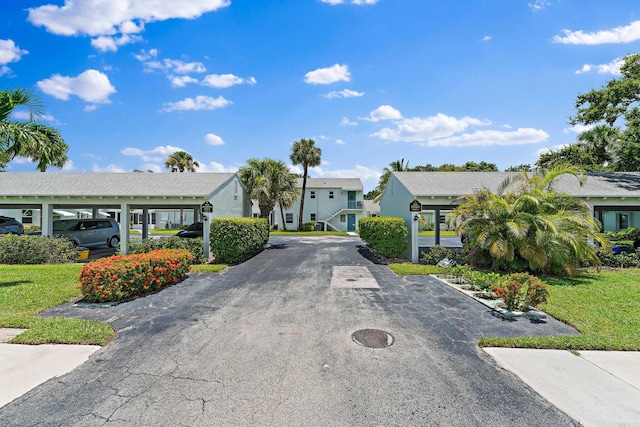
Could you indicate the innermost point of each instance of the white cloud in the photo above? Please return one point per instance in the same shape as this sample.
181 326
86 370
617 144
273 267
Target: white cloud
4 70
111 44
181 81
109 168
612 67
346 122
538 4
170 66
69 166
383 112
226 80
10 52
627 34
340 142
347 93
115 19
158 154
213 139
492 137
362 172
486 38
578 128
325 76
423 130
150 167
24 115
216 168
90 86
200 102
357 2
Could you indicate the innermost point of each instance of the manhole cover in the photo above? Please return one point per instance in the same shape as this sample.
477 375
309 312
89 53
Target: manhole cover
373 338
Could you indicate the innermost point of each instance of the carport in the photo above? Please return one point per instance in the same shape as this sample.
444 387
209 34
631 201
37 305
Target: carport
125 192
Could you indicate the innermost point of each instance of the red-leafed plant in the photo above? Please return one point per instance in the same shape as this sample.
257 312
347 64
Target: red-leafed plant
123 277
519 291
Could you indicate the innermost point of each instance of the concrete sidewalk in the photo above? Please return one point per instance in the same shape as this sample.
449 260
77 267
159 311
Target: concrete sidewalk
595 388
24 367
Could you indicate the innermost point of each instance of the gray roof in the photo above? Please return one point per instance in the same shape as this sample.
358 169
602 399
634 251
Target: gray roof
135 184
342 183
609 184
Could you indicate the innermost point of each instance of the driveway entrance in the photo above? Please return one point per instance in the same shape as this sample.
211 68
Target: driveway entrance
272 342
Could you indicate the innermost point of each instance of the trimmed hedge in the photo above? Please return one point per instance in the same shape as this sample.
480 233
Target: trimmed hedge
385 235
234 240
123 277
194 246
25 249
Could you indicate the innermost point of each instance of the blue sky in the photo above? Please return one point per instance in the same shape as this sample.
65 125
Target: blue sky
372 81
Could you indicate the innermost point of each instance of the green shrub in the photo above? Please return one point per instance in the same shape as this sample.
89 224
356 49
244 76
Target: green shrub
608 258
234 240
437 253
31 229
385 235
16 249
308 226
194 246
123 277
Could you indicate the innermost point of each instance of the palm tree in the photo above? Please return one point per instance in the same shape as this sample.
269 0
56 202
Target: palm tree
395 166
529 225
40 143
600 141
305 153
181 161
269 182
288 195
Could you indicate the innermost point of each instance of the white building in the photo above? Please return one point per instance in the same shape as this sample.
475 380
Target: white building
333 204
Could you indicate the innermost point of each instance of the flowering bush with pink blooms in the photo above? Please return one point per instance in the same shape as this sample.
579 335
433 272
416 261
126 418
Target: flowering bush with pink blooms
123 277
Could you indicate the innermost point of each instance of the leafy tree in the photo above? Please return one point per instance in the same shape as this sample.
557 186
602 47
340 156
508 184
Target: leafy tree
181 161
269 182
304 152
573 154
526 224
39 143
524 167
617 102
479 167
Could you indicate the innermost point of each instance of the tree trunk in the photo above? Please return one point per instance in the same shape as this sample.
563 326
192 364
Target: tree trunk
284 224
304 187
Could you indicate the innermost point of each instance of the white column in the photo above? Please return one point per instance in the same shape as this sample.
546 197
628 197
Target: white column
125 214
46 219
415 247
206 227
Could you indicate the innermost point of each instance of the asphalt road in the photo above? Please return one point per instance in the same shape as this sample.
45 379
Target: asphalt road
269 342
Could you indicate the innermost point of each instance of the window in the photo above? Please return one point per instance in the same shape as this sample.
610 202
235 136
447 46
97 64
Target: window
623 221
331 194
27 216
343 218
312 194
289 218
313 217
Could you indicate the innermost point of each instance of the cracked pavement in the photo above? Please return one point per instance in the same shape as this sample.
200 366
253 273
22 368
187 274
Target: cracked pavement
268 342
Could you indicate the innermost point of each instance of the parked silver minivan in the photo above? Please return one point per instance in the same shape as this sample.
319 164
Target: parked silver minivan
88 232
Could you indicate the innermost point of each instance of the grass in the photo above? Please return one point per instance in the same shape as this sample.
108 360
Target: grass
307 233
27 290
433 233
604 307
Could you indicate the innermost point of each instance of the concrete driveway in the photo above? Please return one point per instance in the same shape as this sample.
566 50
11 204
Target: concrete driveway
269 342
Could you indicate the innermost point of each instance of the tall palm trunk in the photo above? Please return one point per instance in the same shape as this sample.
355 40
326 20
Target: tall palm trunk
304 187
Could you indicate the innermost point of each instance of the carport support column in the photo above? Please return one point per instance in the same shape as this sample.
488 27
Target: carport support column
437 227
415 247
125 214
46 219
145 223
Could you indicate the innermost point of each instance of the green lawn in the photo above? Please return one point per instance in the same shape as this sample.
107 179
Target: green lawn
604 307
27 290
433 233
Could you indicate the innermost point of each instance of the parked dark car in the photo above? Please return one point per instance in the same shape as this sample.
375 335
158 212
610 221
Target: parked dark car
10 226
192 231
